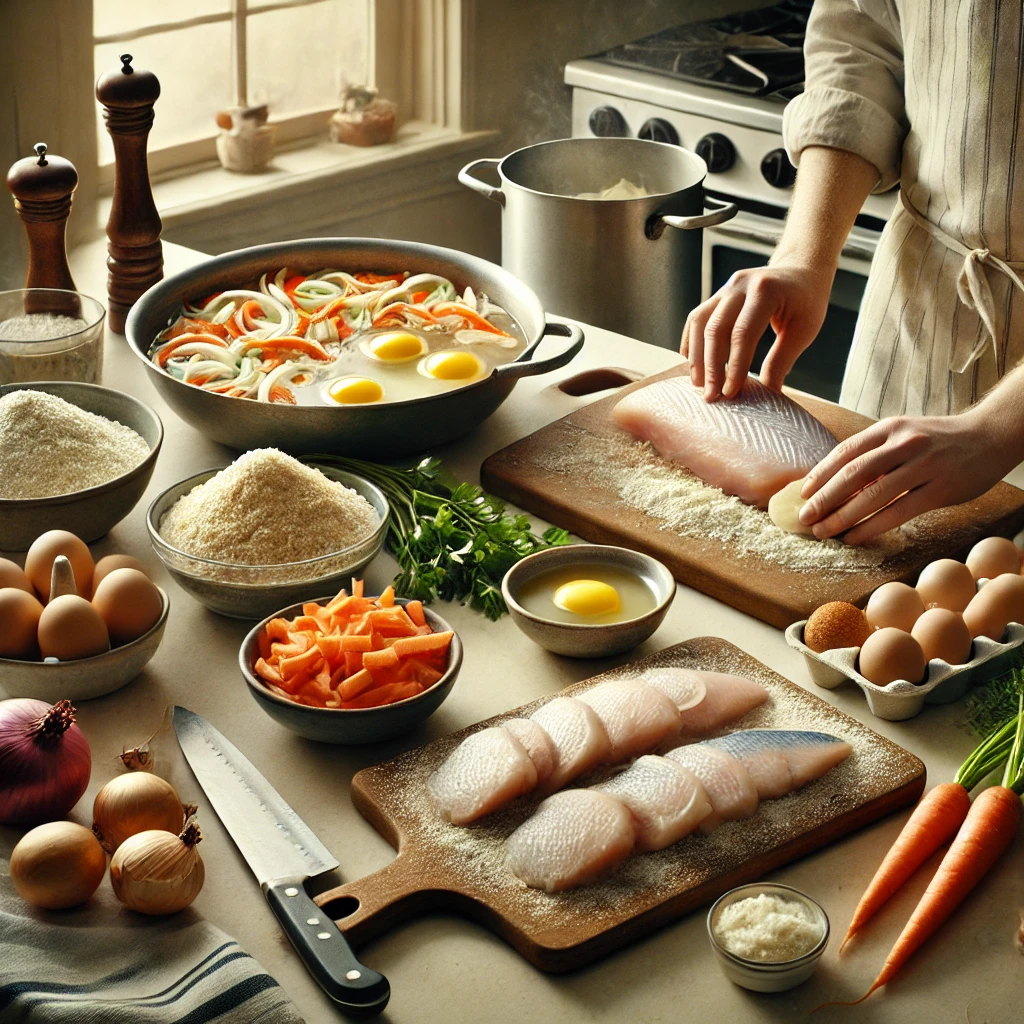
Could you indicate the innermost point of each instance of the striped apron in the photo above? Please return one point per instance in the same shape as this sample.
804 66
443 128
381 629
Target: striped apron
942 318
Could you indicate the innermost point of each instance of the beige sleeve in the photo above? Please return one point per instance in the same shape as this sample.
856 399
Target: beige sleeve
853 98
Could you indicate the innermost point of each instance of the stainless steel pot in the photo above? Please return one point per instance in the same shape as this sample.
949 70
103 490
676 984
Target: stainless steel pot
369 431
608 262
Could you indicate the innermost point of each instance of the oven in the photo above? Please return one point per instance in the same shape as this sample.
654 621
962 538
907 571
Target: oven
719 88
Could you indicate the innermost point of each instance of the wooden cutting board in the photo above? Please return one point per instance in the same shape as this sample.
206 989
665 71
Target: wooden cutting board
536 474
445 868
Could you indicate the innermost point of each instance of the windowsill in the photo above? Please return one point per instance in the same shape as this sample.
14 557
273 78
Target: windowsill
313 167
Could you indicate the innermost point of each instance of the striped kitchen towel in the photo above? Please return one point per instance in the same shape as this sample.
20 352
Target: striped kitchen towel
68 969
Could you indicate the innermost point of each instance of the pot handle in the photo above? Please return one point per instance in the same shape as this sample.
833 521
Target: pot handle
526 366
725 211
467 179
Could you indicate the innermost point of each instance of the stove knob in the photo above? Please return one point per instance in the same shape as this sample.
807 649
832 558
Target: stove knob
717 152
657 129
607 123
777 169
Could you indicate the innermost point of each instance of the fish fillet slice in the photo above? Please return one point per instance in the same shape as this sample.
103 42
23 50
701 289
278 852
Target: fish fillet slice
667 800
751 445
578 735
573 838
726 697
781 760
727 783
537 744
636 718
485 771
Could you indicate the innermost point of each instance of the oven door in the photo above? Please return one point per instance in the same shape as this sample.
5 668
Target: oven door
747 241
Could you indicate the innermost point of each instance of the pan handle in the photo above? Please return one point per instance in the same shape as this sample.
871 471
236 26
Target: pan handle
467 179
527 366
719 213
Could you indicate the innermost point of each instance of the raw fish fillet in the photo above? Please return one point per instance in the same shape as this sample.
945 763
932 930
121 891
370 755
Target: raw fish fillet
578 736
573 838
538 745
726 697
683 687
751 445
666 799
727 783
637 718
781 760
484 771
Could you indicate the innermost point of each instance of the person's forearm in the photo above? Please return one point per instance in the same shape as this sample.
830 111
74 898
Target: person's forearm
999 416
831 187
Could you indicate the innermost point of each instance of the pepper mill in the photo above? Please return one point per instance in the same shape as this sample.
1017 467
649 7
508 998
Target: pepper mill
42 187
135 259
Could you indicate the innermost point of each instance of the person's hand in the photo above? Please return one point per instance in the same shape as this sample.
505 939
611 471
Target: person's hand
720 335
898 468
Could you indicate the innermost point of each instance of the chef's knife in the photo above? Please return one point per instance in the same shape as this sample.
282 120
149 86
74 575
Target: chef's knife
283 853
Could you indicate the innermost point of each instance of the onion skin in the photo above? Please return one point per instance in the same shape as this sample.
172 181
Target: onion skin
57 866
45 761
135 802
157 872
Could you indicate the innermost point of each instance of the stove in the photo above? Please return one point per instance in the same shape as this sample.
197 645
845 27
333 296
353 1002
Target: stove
719 88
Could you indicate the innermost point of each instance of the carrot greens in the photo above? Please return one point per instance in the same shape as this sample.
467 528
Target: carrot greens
451 540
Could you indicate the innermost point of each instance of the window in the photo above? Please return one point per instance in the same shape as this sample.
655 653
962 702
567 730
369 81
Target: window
294 55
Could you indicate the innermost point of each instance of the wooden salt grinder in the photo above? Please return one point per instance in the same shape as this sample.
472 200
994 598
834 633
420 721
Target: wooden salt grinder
135 259
42 186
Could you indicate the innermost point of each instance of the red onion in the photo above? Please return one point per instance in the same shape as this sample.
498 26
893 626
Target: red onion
44 761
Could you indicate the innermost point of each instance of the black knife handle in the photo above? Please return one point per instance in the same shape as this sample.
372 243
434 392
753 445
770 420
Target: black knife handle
326 952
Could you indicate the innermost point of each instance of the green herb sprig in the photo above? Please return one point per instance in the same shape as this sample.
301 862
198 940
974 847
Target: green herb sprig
451 540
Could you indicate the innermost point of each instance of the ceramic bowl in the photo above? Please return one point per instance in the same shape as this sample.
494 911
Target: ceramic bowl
84 678
356 725
254 592
92 512
758 975
584 640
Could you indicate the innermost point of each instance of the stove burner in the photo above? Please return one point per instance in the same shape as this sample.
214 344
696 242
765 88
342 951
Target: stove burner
756 52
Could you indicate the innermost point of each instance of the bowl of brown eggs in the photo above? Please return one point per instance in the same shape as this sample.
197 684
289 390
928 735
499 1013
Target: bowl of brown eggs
72 628
923 644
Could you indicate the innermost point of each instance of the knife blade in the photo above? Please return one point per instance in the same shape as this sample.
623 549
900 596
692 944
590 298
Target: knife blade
282 852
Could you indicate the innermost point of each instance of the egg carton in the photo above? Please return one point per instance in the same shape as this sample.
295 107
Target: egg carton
901 699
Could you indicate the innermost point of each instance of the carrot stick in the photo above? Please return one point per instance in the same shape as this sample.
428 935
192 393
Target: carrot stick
385 658
934 822
988 830
414 609
356 684
420 644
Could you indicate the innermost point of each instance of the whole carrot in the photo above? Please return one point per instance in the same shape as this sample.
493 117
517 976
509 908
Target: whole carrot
990 827
934 822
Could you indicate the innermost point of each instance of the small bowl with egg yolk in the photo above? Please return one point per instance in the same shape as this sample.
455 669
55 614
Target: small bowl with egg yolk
588 600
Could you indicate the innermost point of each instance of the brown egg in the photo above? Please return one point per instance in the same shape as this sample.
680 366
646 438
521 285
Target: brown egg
1009 589
11 575
71 628
946 583
108 563
943 634
836 624
895 605
45 548
890 654
992 557
19 620
129 603
989 612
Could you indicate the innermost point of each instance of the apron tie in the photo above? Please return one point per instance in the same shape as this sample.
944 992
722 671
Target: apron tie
972 286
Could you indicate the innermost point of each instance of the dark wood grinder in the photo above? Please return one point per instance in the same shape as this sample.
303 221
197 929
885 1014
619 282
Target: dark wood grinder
42 186
135 259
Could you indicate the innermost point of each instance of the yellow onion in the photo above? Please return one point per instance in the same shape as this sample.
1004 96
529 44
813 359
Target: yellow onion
57 865
133 803
157 872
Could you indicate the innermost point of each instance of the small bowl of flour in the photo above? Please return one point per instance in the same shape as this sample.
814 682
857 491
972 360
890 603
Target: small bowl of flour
73 456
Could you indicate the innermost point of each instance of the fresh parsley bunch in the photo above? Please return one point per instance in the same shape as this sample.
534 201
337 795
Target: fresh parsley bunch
451 540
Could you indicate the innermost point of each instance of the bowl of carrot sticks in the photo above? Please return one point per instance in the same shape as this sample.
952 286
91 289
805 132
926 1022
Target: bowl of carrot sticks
351 668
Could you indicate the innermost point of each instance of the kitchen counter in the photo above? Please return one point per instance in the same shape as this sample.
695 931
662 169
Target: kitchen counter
446 969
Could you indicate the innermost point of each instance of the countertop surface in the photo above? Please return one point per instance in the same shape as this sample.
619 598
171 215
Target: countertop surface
446 969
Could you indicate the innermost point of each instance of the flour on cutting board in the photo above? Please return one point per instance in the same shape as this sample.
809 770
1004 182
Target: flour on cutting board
688 507
475 858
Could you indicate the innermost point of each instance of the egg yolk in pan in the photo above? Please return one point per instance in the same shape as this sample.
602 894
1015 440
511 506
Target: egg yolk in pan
453 366
354 391
393 347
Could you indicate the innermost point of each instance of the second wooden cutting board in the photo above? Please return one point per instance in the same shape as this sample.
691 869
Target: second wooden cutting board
559 473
